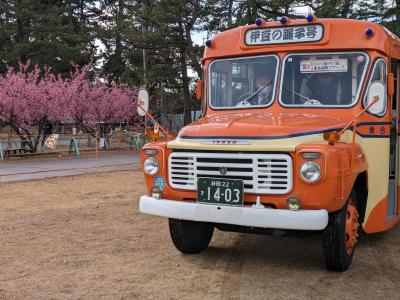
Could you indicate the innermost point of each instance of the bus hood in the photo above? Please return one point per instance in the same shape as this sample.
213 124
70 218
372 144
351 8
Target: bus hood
255 131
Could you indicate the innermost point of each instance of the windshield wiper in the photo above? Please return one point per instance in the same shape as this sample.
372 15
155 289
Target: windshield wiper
297 94
249 98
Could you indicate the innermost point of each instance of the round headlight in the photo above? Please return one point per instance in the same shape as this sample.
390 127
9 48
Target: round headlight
150 166
310 171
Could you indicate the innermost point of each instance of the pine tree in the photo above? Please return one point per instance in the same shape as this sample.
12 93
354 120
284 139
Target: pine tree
52 32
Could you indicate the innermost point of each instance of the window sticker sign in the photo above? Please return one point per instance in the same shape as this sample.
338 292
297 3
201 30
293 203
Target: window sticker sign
284 35
324 66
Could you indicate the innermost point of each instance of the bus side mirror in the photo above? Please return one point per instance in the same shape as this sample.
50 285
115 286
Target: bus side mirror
199 89
377 90
143 101
391 84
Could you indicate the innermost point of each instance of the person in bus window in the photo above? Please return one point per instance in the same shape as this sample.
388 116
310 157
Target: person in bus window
261 93
323 87
265 94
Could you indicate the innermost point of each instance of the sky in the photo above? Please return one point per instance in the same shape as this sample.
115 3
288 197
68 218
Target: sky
200 37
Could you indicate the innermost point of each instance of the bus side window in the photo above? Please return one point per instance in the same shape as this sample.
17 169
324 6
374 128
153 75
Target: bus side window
218 88
379 74
395 72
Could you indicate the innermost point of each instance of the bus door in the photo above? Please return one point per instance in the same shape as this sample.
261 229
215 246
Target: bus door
393 197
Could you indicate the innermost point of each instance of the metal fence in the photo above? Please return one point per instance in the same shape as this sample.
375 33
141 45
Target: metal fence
12 146
74 144
176 122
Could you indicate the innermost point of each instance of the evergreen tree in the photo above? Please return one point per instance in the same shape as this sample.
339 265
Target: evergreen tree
149 42
49 32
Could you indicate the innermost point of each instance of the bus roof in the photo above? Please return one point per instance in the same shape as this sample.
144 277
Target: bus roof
335 34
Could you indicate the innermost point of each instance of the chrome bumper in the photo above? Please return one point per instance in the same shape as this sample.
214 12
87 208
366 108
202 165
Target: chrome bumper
243 216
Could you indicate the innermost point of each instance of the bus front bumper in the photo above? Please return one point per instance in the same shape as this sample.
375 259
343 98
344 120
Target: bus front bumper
242 216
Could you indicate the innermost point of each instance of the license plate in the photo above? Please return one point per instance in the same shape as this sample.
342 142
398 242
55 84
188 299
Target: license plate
220 191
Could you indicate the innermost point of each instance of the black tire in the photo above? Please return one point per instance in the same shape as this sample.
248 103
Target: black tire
334 240
190 237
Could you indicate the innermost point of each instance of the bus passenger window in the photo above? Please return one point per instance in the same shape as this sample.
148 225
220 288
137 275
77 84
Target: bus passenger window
394 66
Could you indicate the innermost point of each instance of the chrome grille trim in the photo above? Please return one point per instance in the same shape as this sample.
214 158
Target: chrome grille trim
261 173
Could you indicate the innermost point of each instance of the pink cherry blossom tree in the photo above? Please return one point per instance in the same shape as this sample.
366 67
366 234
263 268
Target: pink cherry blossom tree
30 97
95 106
25 102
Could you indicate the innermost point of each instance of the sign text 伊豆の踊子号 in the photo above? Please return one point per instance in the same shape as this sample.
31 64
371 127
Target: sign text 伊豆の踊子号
283 35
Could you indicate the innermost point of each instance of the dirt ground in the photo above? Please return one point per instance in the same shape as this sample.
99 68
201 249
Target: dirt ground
82 238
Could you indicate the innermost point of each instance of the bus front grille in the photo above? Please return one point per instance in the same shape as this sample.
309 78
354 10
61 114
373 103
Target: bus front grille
261 173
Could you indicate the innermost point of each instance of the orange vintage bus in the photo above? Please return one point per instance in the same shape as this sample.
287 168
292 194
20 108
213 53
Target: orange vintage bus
298 133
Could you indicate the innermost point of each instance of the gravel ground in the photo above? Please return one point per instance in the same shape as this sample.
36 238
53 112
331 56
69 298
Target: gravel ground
82 237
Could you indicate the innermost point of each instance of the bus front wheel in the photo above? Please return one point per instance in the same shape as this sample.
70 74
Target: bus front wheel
190 237
339 238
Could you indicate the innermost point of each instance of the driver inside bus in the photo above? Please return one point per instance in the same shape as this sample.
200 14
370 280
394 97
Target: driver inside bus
264 85
262 91
323 87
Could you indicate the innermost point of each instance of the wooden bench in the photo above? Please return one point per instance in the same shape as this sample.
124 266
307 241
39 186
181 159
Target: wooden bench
16 152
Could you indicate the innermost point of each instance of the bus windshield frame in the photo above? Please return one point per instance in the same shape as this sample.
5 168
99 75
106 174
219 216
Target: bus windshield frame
273 84
310 101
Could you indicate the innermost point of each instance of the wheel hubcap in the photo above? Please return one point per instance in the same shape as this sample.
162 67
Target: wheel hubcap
351 227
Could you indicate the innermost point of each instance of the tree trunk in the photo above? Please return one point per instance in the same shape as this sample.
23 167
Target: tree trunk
346 8
287 8
185 88
25 136
185 80
190 52
20 29
230 13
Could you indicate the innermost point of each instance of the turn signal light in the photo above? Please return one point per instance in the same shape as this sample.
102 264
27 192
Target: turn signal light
151 151
331 137
310 155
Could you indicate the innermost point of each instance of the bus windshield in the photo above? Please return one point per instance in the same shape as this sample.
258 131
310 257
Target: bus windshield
322 79
243 82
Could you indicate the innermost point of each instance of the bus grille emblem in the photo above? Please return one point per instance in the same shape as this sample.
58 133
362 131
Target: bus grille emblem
223 170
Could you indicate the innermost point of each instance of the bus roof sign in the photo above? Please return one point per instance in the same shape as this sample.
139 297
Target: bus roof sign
284 35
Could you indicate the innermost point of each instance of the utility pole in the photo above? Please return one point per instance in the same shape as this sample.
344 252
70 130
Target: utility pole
145 67
145 63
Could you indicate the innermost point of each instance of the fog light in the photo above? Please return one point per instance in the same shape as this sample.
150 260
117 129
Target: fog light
156 193
293 203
